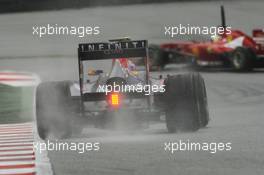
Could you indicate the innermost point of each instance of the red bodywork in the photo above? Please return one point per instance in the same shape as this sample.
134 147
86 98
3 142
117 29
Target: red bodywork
217 51
258 36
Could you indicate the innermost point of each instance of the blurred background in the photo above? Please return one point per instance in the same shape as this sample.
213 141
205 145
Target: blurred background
7 6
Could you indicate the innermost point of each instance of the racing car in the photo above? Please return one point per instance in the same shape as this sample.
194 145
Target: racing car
63 108
235 50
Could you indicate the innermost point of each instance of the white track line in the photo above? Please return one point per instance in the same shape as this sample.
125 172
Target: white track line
12 144
16 124
15 138
16 153
17 163
16 148
15 132
16 157
16 141
17 171
14 127
14 135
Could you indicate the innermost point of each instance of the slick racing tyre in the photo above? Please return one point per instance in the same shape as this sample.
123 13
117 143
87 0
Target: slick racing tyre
185 103
157 58
242 59
54 110
201 100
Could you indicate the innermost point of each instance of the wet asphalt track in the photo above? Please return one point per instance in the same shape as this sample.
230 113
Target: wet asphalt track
235 100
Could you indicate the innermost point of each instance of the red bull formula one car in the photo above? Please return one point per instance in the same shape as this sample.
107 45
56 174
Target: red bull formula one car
126 91
233 49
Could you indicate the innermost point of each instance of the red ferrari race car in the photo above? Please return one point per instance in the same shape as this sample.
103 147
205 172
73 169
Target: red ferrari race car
233 49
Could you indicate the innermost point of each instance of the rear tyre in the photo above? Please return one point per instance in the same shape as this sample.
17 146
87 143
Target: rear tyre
53 110
242 59
201 100
185 103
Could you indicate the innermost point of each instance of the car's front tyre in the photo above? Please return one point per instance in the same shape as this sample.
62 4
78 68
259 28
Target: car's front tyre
242 59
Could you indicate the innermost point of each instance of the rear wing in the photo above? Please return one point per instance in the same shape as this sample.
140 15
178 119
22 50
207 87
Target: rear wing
111 50
100 51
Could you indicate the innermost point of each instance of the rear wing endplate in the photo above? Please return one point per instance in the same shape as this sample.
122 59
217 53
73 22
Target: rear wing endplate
110 50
